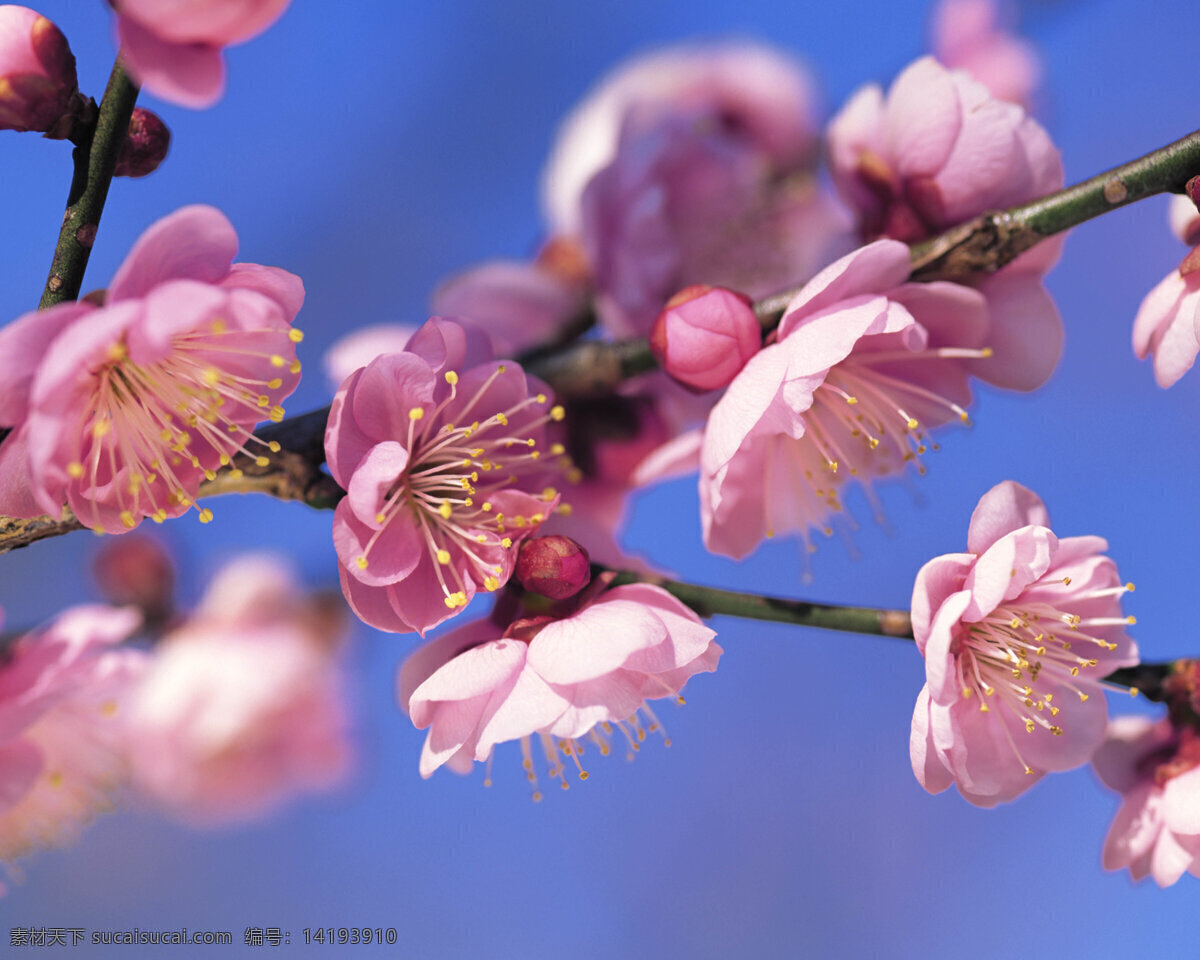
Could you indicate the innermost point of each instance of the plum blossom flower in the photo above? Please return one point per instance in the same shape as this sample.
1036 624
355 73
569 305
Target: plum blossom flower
174 49
1017 634
1167 325
554 681
38 86
969 35
121 410
865 364
62 694
244 704
440 451
1156 768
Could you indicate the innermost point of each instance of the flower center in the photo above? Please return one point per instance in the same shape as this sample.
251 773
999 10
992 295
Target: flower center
149 427
1001 659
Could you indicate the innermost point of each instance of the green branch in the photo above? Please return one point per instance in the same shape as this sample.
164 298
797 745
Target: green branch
95 159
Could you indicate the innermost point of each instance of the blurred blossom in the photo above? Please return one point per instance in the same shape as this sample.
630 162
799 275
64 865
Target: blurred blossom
120 411
970 35
244 704
1156 769
62 694
1167 325
38 88
359 348
704 336
865 364
937 151
554 682
520 305
145 147
137 571
439 449
1017 635
173 49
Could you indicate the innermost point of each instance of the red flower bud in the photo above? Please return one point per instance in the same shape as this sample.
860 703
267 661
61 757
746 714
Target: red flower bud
555 567
145 147
136 570
705 336
38 87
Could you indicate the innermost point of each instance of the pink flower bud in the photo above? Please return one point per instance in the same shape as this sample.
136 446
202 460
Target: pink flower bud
555 567
145 147
38 87
137 571
705 336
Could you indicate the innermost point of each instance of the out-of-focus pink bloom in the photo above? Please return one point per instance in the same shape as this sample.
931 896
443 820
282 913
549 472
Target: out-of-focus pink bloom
137 571
520 305
864 366
173 49
62 695
38 86
705 335
145 147
121 411
243 705
1017 634
1156 767
359 348
440 451
686 201
553 566
1167 324
754 93
556 681
938 150
968 35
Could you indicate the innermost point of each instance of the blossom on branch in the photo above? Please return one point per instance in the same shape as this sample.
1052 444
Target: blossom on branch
969 35
554 682
63 690
440 450
173 49
1017 634
1156 768
864 365
121 410
38 86
244 704
1167 325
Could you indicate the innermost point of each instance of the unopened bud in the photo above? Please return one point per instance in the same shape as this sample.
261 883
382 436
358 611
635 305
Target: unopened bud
145 147
555 567
38 86
705 335
136 570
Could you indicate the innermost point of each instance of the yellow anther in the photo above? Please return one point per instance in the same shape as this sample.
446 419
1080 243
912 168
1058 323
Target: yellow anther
275 383
262 461
557 412
451 377
852 400
986 352
263 400
362 563
1131 620
502 369
218 326
444 510
564 509
443 557
208 475
1129 586
273 446
491 583
224 459
206 515
236 474
1030 726
101 428
75 469
127 519
211 376
481 538
557 450
117 352
295 335
486 507
542 398
506 542
277 360
984 708
380 517
295 367
967 692
549 493
416 413
912 424
501 419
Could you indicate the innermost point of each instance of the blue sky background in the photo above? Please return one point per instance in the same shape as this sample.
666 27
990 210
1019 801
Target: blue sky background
376 151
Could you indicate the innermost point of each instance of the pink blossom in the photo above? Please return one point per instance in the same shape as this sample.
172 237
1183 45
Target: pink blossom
1156 768
121 411
244 704
968 35
553 566
1017 634
520 305
62 690
1167 325
556 681
439 449
865 364
38 87
173 48
938 150
758 94
705 335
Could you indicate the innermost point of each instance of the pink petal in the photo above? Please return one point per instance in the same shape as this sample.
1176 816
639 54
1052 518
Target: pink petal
1181 802
531 706
924 117
190 74
939 578
1007 567
357 349
23 344
473 673
193 243
220 22
1008 506
1025 334
397 548
928 769
373 479
427 659
16 485
595 641
1135 828
744 404
284 288
418 599
1170 859
874 269
386 390
953 315
940 673
20 766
